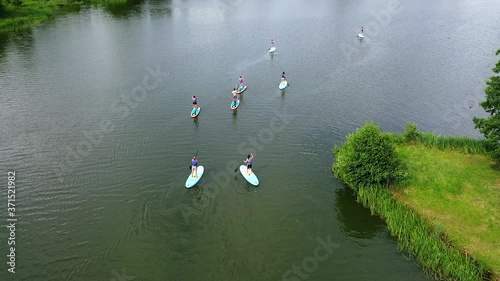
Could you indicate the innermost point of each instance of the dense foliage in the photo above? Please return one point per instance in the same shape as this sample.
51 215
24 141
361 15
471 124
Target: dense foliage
411 134
20 14
14 2
490 127
368 158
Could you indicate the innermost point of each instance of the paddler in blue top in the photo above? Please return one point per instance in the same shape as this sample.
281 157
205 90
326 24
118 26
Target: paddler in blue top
283 77
195 102
249 162
241 81
194 167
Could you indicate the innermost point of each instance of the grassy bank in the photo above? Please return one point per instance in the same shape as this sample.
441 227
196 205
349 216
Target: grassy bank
416 236
459 195
30 12
444 207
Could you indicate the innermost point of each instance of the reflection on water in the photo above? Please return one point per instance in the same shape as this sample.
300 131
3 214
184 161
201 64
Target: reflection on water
195 121
4 40
23 40
160 7
356 219
124 9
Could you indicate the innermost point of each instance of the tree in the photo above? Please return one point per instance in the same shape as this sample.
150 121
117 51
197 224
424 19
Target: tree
2 9
490 127
367 158
411 134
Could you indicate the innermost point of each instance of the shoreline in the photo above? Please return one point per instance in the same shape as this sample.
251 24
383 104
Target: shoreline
442 239
15 18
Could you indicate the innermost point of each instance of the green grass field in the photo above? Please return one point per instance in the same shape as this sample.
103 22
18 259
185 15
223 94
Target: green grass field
458 194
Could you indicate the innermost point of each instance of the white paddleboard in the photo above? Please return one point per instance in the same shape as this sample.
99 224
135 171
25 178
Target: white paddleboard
271 50
283 85
252 178
190 182
361 35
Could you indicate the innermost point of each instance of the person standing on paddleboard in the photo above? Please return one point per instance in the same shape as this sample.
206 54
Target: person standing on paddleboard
361 30
241 81
249 162
194 167
195 102
272 44
235 96
283 77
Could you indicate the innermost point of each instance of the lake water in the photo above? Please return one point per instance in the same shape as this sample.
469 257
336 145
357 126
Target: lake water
94 120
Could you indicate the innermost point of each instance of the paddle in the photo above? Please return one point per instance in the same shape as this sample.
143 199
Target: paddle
237 168
244 160
194 156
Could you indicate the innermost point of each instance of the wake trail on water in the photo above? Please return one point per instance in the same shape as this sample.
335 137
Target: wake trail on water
245 65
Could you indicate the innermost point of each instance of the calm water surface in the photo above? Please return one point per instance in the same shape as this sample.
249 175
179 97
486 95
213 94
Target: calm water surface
94 120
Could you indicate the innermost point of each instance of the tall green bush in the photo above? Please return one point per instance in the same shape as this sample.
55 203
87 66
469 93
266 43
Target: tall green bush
490 127
368 158
411 134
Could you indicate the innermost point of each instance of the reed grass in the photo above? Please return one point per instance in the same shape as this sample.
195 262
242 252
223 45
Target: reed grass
437 256
445 213
455 143
461 144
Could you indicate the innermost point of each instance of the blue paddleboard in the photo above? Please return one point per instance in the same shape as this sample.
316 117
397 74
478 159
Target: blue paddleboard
234 105
190 182
252 178
195 112
241 89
